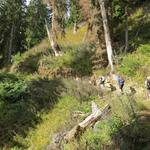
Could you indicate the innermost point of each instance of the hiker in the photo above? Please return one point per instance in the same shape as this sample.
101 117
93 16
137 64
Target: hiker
120 83
102 80
119 80
147 85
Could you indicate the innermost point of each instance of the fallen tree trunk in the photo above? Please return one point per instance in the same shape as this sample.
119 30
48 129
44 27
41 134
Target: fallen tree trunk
96 115
77 114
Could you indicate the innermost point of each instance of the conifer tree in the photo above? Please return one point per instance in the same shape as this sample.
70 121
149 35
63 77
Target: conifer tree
36 14
75 14
12 27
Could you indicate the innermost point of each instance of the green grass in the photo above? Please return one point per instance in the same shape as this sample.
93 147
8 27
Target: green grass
120 130
56 120
21 100
96 140
52 122
136 65
72 39
30 104
30 61
77 60
143 105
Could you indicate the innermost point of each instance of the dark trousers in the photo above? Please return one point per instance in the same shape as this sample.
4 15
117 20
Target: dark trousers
121 87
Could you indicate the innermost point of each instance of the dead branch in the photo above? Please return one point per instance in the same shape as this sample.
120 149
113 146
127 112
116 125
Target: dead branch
96 115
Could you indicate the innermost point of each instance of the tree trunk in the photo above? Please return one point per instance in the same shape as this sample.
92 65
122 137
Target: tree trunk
10 44
107 34
52 33
75 28
89 28
109 13
53 43
126 31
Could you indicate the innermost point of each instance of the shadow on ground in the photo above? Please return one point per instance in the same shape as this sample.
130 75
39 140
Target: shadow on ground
135 134
17 117
133 137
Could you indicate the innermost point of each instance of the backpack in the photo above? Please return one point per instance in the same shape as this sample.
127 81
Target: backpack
148 84
121 81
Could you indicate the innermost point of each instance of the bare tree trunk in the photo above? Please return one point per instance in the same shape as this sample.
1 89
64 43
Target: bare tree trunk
109 13
75 28
52 33
10 44
54 45
126 31
107 34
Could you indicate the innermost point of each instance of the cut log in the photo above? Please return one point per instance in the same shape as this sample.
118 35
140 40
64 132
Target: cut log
96 115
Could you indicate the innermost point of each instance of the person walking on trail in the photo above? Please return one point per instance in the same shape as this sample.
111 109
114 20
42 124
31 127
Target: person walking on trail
102 80
101 84
120 81
147 85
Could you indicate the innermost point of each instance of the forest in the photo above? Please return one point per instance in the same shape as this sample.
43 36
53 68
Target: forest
74 75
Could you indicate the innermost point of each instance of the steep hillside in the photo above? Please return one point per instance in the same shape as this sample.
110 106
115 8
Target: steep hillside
43 97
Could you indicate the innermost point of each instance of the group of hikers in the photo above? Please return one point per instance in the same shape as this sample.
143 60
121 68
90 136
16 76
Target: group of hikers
121 82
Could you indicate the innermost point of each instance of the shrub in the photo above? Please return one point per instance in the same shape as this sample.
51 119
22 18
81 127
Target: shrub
17 58
77 60
11 91
82 63
144 49
130 65
101 135
12 88
80 89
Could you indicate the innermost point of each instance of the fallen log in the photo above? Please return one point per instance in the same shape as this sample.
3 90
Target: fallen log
77 114
96 115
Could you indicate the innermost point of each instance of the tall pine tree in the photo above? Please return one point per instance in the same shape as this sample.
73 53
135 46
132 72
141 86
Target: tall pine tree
36 14
12 27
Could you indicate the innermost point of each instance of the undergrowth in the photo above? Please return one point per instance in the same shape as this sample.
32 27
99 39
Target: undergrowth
136 65
76 61
25 100
121 129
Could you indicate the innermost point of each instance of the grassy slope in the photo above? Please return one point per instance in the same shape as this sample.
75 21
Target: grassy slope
28 63
73 39
51 122
139 29
58 118
38 60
